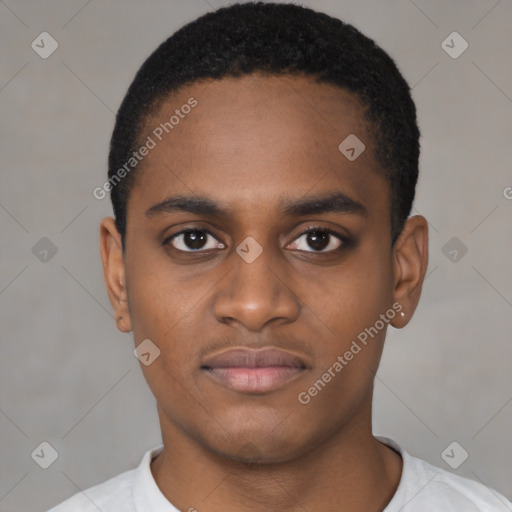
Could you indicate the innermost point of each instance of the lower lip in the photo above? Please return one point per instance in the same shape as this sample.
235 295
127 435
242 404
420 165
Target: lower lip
255 380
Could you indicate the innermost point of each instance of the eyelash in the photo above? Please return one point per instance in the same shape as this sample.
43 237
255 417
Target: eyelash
345 240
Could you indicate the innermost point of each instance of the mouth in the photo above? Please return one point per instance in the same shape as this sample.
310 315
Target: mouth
254 371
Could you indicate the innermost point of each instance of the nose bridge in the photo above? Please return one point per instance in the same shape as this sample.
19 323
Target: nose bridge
255 292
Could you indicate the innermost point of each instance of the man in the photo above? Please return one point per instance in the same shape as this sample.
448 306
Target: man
262 171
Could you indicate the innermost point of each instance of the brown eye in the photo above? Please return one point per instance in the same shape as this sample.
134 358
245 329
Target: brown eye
194 240
318 240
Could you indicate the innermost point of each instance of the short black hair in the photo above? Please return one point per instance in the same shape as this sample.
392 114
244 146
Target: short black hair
276 39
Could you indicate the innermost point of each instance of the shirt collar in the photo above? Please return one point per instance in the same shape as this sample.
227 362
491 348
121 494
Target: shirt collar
146 494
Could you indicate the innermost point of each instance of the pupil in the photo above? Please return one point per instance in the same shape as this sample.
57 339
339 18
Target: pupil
194 239
318 240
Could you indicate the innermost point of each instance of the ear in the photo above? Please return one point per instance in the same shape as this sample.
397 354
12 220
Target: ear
410 261
114 273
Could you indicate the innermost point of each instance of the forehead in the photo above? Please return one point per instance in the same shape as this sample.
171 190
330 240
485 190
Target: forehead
255 139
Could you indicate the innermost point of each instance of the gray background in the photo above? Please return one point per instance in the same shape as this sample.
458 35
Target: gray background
69 378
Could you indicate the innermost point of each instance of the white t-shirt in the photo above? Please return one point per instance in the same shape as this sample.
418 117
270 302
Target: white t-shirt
422 488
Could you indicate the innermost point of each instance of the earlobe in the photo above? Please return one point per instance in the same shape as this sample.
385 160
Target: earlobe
410 261
114 273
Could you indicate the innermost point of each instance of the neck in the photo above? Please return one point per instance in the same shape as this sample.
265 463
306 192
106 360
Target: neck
350 471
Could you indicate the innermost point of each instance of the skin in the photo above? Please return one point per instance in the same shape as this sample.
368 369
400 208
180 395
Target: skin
250 144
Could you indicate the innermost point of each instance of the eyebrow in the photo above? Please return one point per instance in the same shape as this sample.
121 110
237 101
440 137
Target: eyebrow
199 205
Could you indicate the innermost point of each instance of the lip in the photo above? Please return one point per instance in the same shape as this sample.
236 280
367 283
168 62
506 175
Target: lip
254 370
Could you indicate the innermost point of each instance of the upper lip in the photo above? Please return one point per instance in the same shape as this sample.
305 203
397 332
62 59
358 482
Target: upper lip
254 358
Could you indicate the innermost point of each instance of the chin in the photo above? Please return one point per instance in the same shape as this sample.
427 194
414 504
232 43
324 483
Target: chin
259 446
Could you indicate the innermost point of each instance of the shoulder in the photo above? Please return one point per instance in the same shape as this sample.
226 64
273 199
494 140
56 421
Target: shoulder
424 487
456 493
130 491
111 496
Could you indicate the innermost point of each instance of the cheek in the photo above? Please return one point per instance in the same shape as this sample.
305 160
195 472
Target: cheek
344 375
167 308
161 301
352 297
347 309
164 315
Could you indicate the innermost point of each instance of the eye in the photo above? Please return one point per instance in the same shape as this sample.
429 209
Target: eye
315 239
320 240
193 240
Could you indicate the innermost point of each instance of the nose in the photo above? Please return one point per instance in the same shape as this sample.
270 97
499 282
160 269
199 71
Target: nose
256 294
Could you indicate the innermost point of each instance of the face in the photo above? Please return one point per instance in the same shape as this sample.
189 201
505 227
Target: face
257 258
